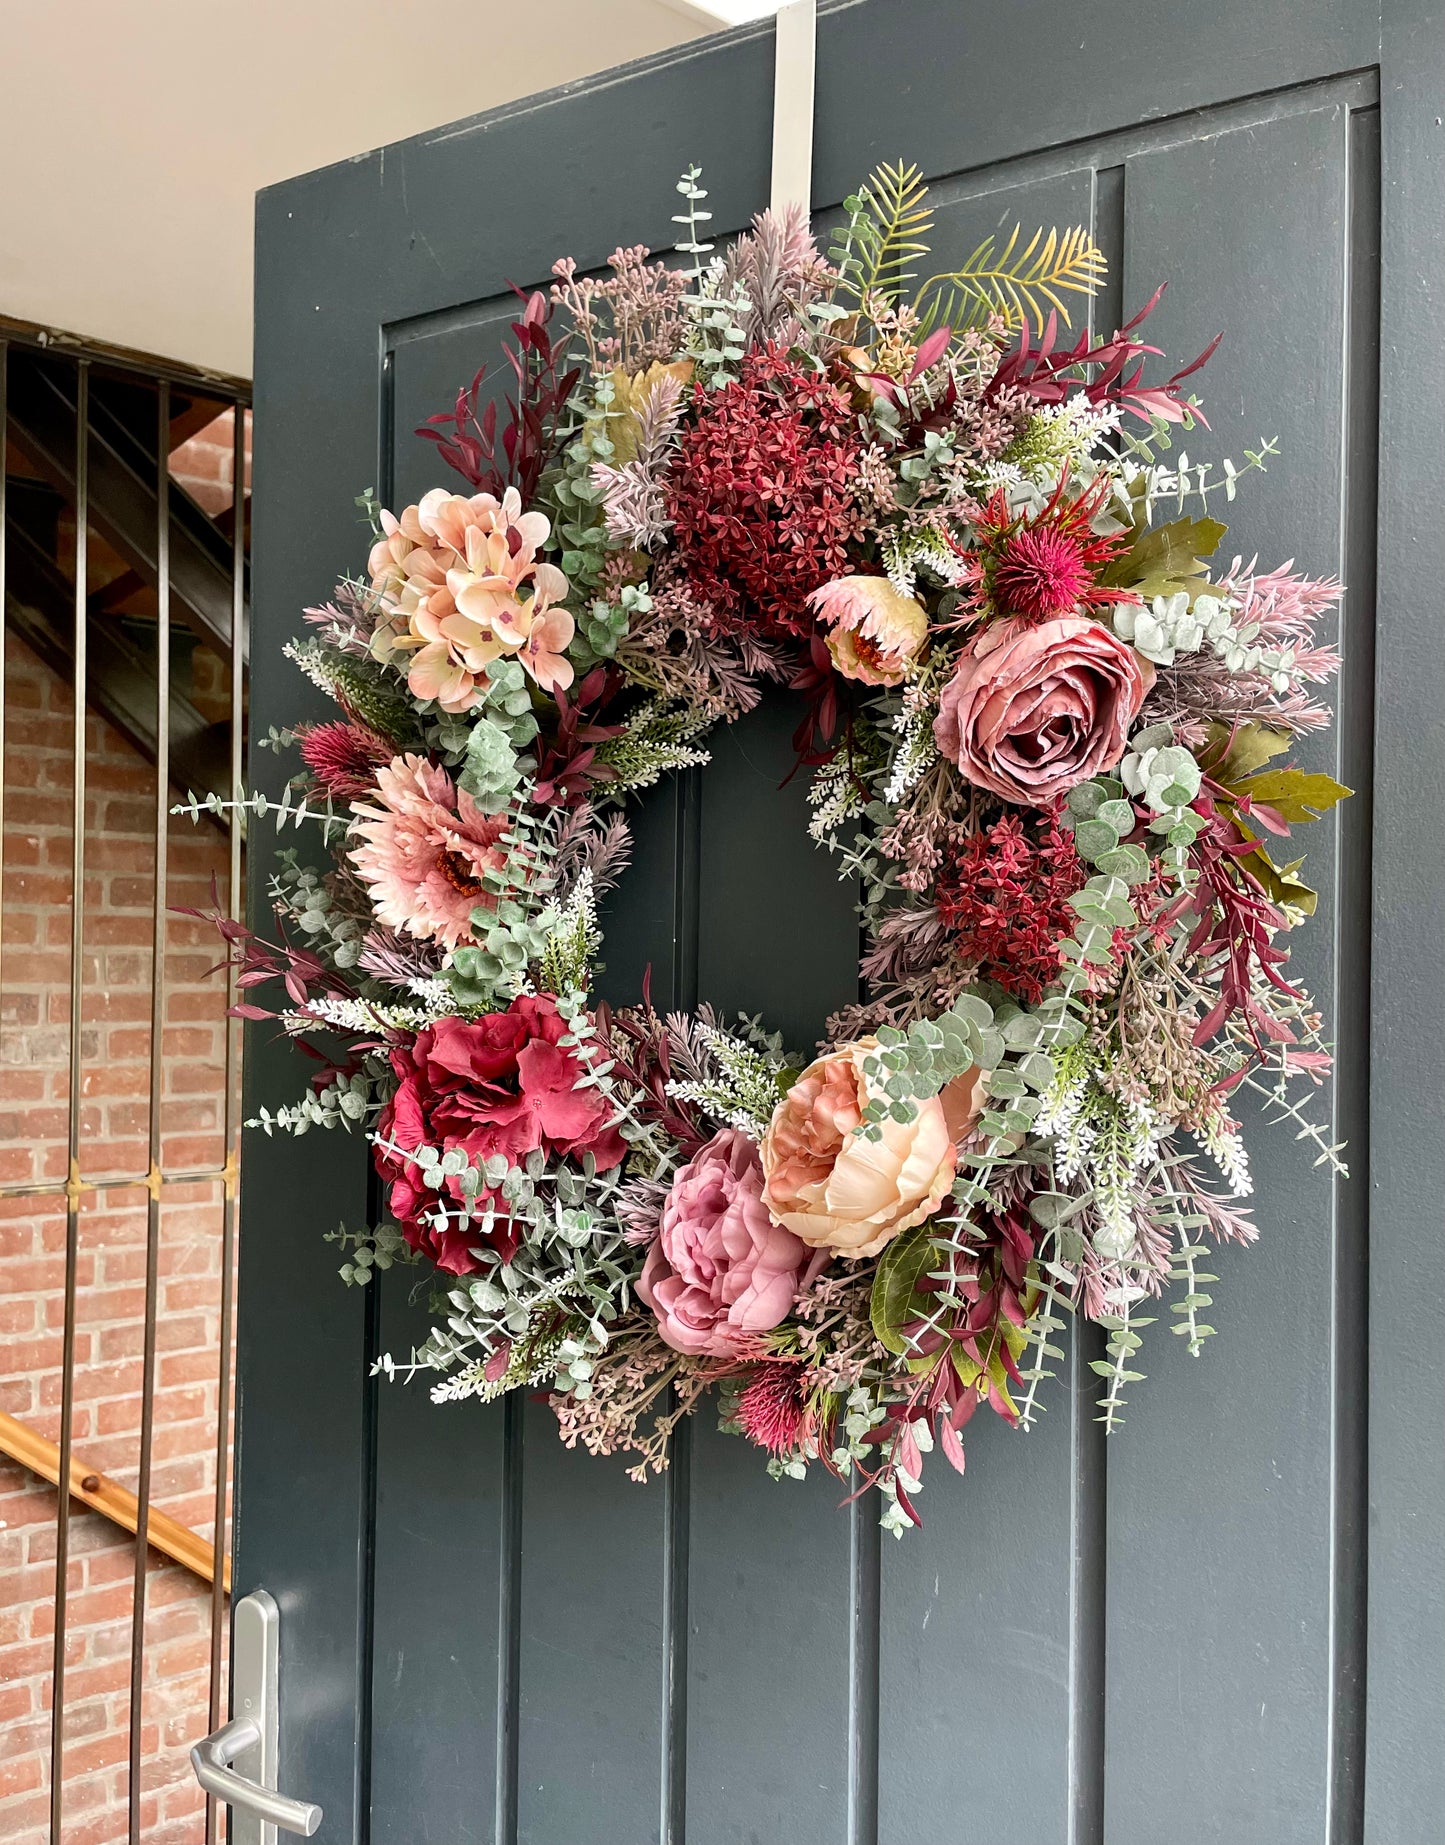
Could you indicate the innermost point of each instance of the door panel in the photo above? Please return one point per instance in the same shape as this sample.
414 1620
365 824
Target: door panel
490 1638
1247 1451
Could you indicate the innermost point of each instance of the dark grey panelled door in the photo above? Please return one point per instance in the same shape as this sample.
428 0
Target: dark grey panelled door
1231 1625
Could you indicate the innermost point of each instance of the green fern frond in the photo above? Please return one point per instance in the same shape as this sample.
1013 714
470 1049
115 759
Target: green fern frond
1020 284
888 224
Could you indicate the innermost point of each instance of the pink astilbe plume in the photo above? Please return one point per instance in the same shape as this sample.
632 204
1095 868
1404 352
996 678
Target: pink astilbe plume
344 757
1287 607
773 1409
348 623
632 496
1284 608
778 268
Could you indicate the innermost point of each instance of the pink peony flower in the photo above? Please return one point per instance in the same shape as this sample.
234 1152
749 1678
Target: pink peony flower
424 848
463 584
838 1190
1032 711
875 632
721 1268
499 1084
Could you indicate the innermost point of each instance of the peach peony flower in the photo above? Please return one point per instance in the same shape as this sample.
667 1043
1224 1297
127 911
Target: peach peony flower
424 848
722 1268
837 1190
875 632
1035 709
463 585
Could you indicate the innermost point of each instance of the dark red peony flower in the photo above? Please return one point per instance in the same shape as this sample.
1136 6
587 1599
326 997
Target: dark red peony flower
760 495
1006 896
498 1084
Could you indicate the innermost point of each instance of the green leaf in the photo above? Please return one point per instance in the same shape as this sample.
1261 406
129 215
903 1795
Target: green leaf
1294 794
1093 839
1280 882
1131 863
1118 814
1020 283
1165 559
895 1280
1231 754
890 219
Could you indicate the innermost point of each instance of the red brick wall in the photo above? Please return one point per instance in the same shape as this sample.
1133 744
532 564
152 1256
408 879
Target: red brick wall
34 1014
204 466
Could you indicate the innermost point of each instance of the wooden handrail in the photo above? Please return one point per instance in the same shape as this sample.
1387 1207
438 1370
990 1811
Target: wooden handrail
111 1500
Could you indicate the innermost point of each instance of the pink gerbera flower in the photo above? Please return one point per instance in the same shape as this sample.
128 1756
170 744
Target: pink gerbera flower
425 848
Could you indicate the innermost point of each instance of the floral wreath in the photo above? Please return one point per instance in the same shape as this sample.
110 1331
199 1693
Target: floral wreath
1043 731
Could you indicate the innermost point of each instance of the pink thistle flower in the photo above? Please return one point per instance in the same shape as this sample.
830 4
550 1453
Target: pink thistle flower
425 849
774 1410
1041 572
344 757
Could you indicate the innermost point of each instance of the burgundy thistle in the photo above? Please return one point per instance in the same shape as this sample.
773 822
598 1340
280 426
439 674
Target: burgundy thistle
1041 572
773 1410
344 758
1036 568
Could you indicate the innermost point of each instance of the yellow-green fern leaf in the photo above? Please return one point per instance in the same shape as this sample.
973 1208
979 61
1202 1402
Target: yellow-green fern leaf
1021 283
888 225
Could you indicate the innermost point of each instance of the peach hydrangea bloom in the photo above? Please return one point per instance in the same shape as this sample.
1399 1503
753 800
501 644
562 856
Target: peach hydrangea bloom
425 846
875 632
463 585
834 1188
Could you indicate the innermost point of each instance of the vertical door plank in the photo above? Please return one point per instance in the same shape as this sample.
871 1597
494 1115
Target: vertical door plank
303 1415
768 1681
439 1696
985 1608
1405 1784
1220 1511
592 1645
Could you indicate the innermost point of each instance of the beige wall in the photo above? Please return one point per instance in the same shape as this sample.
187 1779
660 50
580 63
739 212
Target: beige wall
138 131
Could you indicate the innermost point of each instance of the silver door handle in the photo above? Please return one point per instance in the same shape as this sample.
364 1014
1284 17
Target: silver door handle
251 1739
211 1760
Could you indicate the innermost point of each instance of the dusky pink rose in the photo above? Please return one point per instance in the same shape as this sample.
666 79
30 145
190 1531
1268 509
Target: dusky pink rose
838 1190
1035 709
721 1268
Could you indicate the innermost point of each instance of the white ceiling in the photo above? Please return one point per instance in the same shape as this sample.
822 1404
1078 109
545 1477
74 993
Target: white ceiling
138 133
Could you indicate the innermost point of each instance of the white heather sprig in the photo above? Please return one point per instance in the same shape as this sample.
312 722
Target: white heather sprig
362 1015
917 751
745 1089
1222 1141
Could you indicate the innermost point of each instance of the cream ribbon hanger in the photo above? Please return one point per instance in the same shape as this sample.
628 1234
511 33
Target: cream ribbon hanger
793 74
